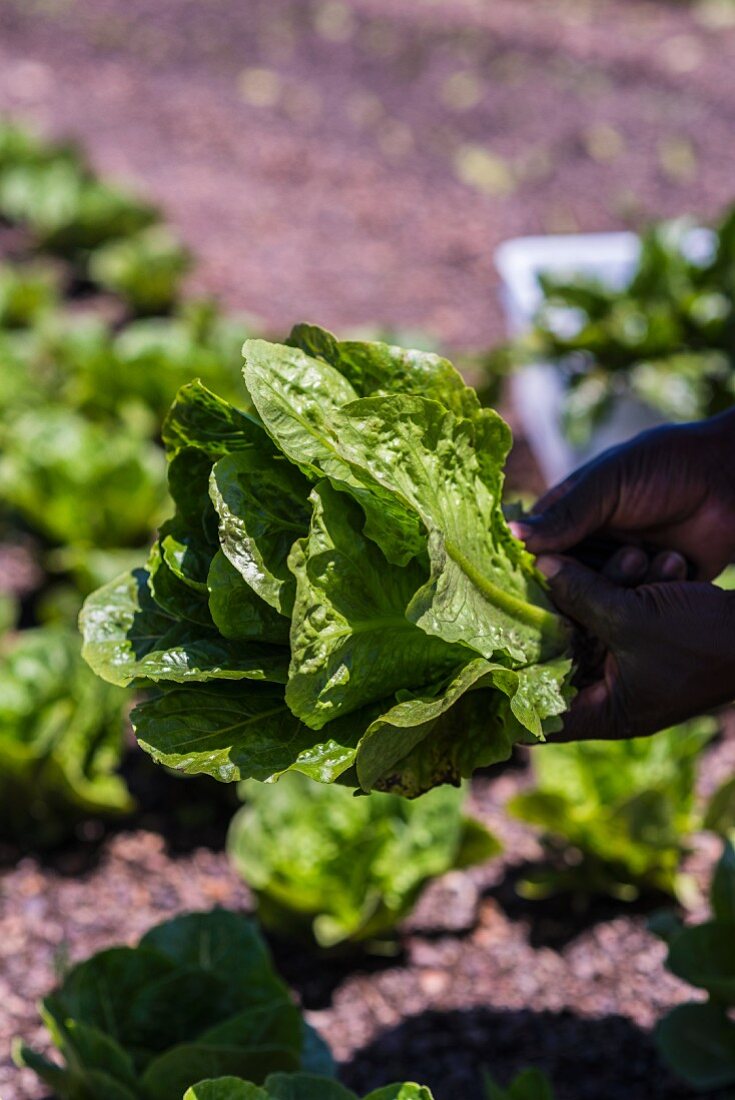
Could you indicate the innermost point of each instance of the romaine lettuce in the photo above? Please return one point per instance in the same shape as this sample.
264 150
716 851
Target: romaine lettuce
197 996
341 539
61 736
697 1039
327 865
615 815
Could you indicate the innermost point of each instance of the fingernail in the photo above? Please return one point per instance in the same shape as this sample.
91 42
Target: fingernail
673 565
520 530
633 561
549 565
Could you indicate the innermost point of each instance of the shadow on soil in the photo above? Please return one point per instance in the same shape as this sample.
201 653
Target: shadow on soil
587 1059
188 812
315 974
556 921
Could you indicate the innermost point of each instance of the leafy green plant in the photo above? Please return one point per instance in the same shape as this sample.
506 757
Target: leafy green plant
531 1084
697 1040
198 995
338 593
154 357
75 481
66 208
297 1086
614 815
49 188
665 338
326 864
61 737
146 269
20 145
26 294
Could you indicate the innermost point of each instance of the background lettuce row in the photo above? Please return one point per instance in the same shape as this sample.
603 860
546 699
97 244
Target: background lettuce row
339 563
197 996
615 815
327 865
61 734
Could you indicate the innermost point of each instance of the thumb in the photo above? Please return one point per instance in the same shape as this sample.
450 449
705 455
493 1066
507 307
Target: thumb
586 597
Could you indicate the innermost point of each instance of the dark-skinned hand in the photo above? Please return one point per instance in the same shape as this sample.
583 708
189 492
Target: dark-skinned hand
667 644
672 488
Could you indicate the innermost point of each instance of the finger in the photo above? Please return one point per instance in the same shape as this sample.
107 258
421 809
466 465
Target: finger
578 508
628 567
667 566
586 597
557 491
589 717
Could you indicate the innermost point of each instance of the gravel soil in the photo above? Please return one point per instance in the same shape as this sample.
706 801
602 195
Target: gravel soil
355 164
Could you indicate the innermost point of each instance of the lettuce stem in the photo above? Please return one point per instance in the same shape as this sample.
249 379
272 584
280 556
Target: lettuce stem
547 622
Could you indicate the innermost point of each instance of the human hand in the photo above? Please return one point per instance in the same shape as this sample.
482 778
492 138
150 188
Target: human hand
668 648
671 488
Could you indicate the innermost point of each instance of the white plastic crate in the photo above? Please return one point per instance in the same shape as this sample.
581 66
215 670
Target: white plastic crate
538 390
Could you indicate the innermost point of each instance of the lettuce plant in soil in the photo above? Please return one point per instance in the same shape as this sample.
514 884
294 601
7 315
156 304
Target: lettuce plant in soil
338 592
697 1039
197 997
615 815
27 294
61 736
298 1086
327 865
65 208
665 338
146 270
78 482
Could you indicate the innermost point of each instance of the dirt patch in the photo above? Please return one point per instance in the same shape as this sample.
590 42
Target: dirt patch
357 163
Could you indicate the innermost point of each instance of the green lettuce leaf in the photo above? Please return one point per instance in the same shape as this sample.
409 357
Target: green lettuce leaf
200 419
297 397
232 732
698 1042
351 642
225 1088
262 507
627 807
237 611
198 995
78 482
531 1084
128 637
481 591
297 1086
377 369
